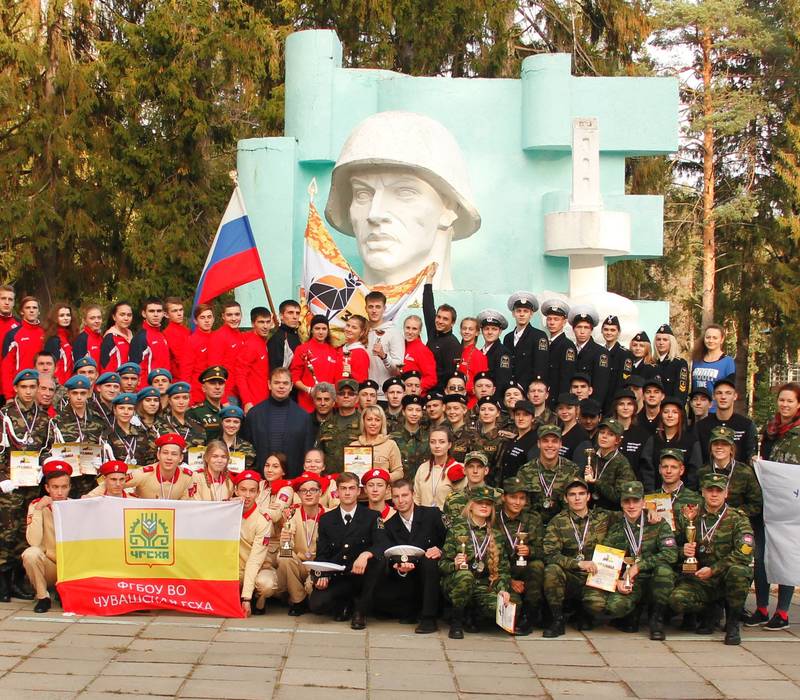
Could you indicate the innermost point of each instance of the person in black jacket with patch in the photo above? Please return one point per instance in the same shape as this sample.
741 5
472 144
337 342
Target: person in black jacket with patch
498 357
591 357
562 353
527 345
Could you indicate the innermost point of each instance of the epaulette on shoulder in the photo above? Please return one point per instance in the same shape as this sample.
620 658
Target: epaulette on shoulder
149 468
187 471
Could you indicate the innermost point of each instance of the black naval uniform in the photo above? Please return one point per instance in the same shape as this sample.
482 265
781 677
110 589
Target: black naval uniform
593 360
562 361
531 355
501 363
675 377
620 368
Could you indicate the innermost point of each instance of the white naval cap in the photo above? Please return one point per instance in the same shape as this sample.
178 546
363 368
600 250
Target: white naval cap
584 312
557 307
526 300
491 317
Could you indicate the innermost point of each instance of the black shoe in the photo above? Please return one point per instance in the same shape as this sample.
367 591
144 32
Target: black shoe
732 635
777 623
708 621
359 621
343 615
20 587
297 609
409 620
5 585
755 619
260 611
523 625
585 622
426 625
689 623
657 623
456 624
42 605
556 626
471 622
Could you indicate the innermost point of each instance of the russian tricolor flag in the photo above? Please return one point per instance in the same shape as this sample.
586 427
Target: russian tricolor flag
233 259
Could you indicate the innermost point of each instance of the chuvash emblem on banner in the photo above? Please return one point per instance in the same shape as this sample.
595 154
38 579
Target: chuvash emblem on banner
150 537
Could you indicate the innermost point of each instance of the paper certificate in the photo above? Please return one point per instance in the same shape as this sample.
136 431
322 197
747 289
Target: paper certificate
661 505
70 452
195 459
609 563
506 614
358 459
90 458
236 462
24 468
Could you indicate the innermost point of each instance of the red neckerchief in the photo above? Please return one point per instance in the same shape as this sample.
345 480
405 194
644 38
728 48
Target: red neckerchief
174 478
278 484
385 511
775 429
320 511
219 480
247 513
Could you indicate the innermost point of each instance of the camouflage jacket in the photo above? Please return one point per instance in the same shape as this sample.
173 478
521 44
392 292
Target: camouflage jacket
393 422
683 497
612 472
133 448
527 521
658 543
336 433
546 417
561 544
414 449
190 430
207 414
457 501
452 546
534 473
67 427
491 444
731 542
26 430
247 449
787 448
744 491
463 442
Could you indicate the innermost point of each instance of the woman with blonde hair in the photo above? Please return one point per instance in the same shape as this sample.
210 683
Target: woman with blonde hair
385 452
644 365
473 571
213 482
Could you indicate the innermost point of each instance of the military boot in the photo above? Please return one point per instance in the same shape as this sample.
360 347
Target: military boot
523 625
5 583
556 626
657 623
732 635
456 624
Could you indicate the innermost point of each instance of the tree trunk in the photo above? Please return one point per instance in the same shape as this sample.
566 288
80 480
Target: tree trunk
709 240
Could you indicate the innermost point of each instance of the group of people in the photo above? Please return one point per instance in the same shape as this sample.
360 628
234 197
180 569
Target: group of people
409 478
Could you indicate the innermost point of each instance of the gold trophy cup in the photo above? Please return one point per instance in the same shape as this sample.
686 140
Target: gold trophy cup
591 463
462 539
521 542
286 546
690 564
626 579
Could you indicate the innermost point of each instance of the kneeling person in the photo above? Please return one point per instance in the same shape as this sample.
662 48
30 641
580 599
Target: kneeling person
476 469
253 542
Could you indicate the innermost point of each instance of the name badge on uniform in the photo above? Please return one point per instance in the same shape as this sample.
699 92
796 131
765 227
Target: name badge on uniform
70 452
195 458
24 468
236 462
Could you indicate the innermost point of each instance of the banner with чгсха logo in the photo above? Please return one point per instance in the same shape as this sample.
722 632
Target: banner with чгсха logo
117 555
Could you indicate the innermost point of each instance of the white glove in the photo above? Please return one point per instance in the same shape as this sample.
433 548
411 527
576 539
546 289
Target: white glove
7 486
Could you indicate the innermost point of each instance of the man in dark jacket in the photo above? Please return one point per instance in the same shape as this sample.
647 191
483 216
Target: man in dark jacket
278 424
285 336
439 322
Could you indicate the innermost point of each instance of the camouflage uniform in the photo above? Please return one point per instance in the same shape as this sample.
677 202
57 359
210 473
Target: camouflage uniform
564 472
730 559
463 441
14 505
67 427
136 447
207 414
744 491
457 501
191 430
247 449
394 422
491 444
657 556
336 433
414 449
787 448
471 588
563 577
546 417
532 574
612 471
683 497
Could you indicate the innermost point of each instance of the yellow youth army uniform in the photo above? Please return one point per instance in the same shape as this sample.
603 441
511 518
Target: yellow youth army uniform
212 488
147 482
274 498
433 484
254 541
293 577
39 559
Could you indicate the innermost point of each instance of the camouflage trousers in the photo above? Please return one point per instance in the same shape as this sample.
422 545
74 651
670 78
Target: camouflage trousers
463 589
656 587
13 522
691 594
533 576
561 585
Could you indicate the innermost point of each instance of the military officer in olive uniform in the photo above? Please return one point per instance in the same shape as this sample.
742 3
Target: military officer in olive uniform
499 359
411 437
342 426
562 351
476 468
463 436
213 381
528 345
592 358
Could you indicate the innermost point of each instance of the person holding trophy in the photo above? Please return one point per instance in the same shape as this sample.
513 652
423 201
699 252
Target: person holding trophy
651 551
607 468
723 551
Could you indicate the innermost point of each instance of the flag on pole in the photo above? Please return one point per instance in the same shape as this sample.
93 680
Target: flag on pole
780 485
233 259
117 555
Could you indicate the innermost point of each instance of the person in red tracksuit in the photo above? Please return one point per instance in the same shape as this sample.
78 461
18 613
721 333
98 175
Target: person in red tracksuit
353 356
197 355
8 321
116 345
149 348
472 359
314 361
89 340
252 368
60 330
21 344
226 345
177 338
418 355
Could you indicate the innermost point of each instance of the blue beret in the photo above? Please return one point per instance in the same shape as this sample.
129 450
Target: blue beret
178 388
108 378
129 368
126 398
230 411
148 392
84 361
77 381
26 375
159 372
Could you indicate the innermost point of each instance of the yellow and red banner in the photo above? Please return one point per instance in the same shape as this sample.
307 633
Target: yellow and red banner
117 555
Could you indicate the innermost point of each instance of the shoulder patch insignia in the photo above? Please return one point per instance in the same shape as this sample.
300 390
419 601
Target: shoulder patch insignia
265 542
543 345
283 496
603 360
627 366
505 362
380 524
669 542
570 355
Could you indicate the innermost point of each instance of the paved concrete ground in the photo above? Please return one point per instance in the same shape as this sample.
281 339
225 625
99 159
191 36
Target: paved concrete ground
275 656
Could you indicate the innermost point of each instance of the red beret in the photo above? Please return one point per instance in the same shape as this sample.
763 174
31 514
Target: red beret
115 466
305 477
248 474
57 466
455 472
375 474
170 439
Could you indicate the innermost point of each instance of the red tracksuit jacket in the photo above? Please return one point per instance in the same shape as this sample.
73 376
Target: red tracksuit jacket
19 348
252 370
